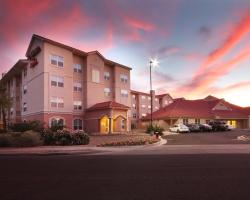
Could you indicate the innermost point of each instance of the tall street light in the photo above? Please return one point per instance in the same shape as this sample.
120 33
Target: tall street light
152 63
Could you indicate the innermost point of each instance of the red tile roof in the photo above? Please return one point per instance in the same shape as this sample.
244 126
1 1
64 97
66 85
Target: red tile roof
108 105
201 108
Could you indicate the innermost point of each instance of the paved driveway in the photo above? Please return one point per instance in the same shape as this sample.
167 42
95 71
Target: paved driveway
227 137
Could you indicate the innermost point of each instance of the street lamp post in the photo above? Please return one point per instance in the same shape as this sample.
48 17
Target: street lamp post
151 94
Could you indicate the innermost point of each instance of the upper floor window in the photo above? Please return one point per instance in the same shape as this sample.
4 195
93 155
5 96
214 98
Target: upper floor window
149 106
133 96
124 78
77 87
77 68
56 102
149 98
11 111
124 93
25 72
156 99
95 76
77 124
77 105
57 60
24 107
143 114
57 81
106 76
134 115
24 89
107 92
134 106
166 102
156 107
143 106
143 97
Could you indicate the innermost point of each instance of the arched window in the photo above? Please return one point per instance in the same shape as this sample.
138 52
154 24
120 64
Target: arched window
77 124
57 122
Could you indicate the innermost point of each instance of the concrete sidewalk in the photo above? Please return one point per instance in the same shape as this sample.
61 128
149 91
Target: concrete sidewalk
77 149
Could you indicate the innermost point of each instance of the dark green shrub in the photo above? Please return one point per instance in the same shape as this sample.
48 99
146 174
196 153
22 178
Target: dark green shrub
56 127
36 126
63 137
48 137
155 128
80 138
20 127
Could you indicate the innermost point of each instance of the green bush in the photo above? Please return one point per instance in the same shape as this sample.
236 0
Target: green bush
56 127
65 137
36 126
155 128
25 139
80 137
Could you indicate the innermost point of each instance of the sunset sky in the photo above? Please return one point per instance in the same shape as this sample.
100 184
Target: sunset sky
203 46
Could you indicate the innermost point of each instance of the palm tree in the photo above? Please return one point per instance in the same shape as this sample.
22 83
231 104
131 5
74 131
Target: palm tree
5 104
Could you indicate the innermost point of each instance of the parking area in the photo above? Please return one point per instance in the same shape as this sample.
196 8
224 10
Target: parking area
225 137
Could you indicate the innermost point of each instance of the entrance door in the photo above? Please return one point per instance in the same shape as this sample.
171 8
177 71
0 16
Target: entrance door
104 125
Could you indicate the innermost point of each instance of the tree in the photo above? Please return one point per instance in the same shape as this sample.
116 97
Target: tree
5 104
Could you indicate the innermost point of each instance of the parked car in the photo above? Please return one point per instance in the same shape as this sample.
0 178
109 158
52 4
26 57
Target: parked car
205 127
193 127
180 128
219 126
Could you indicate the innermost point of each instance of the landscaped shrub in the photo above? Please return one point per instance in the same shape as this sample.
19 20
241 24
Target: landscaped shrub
130 142
36 126
25 139
56 127
65 137
80 137
155 129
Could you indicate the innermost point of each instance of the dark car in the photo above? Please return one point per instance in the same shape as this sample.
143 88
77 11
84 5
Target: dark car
219 126
205 128
193 127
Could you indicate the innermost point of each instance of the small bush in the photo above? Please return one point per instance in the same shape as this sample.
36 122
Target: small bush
155 129
56 127
36 126
80 137
63 137
26 139
48 137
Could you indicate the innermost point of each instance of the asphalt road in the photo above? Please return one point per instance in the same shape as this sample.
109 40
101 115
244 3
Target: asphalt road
197 176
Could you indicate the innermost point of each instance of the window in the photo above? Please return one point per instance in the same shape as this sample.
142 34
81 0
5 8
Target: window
197 121
95 76
24 89
149 106
24 107
156 107
143 97
56 60
124 78
143 106
106 76
77 105
57 122
124 93
143 115
123 124
25 72
134 105
77 68
77 124
134 115
156 99
133 96
77 87
166 102
185 121
107 92
56 102
57 81
149 98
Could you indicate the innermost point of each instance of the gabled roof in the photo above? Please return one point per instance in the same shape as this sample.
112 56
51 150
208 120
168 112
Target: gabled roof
108 105
15 70
163 95
72 49
201 108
